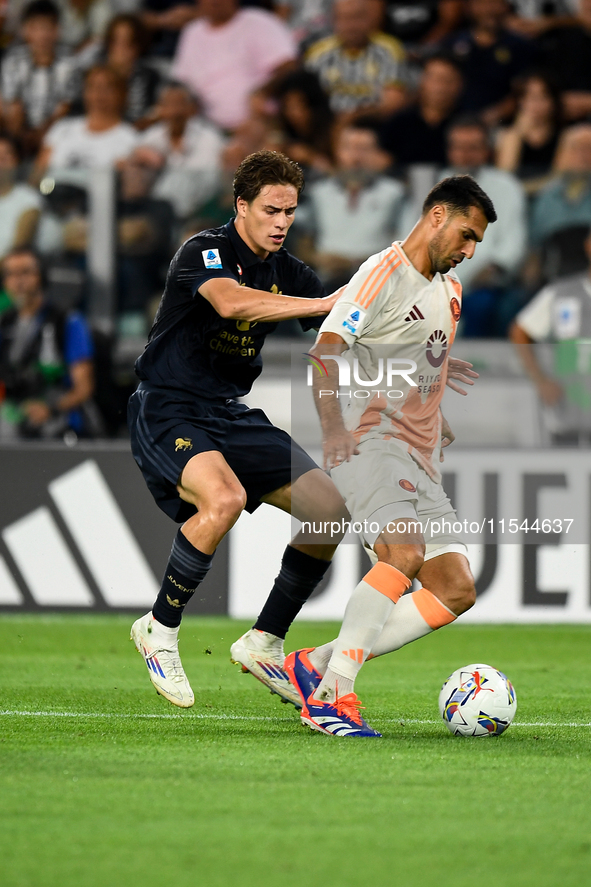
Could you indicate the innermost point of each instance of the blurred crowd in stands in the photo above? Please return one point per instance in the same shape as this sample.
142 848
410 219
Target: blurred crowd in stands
376 99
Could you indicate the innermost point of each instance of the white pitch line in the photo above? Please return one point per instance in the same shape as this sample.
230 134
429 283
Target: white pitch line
403 722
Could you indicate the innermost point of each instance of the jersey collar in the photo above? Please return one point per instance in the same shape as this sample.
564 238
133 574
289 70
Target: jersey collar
246 257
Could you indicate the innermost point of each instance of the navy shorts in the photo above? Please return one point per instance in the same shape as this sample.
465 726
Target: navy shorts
167 432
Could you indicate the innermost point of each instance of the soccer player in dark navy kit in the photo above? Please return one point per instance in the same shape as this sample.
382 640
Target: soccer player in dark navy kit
204 455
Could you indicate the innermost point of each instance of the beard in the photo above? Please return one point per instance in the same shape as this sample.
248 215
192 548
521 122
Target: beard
440 262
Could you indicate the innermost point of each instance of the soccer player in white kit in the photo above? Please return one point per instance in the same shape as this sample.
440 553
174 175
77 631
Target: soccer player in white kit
384 449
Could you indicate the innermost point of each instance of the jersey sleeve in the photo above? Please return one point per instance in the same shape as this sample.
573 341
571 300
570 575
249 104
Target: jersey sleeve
536 318
357 306
78 344
200 260
307 285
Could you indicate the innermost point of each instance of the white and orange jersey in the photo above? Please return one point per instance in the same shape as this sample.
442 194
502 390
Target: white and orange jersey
392 317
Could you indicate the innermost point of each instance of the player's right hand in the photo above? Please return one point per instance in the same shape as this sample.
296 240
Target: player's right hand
550 391
328 302
338 446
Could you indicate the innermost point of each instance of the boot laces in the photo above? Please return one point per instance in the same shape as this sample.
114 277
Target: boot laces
349 706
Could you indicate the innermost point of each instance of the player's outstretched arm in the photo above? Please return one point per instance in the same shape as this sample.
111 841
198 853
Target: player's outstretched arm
233 301
338 444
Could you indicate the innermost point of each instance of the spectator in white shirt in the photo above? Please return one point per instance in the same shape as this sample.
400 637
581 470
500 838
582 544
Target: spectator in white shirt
229 53
354 213
20 205
185 148
98 139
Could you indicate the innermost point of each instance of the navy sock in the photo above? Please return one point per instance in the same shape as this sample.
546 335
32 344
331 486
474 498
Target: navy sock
186 568
299 575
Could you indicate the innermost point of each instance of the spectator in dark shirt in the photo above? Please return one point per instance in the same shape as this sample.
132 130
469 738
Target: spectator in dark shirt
528 145
417 135
423 22
491 58
46 369
165 19
126 41
567 53
305 120
144 232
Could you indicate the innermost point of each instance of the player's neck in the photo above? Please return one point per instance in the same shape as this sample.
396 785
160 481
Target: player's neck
416 249
243 234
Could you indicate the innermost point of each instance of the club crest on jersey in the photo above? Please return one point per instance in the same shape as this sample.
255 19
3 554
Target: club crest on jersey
407 485
211 258
354 320
436 348
455 309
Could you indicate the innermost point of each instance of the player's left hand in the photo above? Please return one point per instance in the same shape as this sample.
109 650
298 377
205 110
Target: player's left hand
460 371
37 412
447 436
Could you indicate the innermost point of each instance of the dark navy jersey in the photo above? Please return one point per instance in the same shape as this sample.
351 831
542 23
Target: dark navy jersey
191 349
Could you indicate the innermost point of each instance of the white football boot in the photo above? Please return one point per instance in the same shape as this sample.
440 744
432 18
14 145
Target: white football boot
261 654
159 646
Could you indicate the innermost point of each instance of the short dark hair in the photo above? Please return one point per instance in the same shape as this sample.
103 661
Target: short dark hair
140 35
167 84
116 79
460 193
265 168
40 8
28 251
469 121
445 58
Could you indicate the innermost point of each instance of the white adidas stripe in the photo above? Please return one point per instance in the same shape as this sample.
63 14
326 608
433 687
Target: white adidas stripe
403 722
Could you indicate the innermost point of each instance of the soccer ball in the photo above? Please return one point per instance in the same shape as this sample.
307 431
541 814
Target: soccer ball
477 700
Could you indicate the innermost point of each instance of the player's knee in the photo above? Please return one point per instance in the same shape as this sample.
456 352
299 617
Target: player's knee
407 558
462 595
228 505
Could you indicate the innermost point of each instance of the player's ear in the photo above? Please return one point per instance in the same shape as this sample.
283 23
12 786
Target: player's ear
241 206
438 215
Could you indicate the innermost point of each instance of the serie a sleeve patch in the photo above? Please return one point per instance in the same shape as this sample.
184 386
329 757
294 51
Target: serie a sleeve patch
211 258
354 320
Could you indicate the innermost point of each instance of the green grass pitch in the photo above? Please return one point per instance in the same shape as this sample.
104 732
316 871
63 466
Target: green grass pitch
103 783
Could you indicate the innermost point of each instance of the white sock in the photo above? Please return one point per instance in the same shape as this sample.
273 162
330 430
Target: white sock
368 609
163 633
414 616
404 625
320 657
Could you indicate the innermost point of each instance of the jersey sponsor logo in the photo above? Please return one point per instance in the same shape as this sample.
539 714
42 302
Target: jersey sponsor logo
183 443
211 258
354 320
455 308
436 348
407 485
415 314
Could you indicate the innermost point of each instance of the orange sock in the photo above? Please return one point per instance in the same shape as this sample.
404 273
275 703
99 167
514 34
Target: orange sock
414 616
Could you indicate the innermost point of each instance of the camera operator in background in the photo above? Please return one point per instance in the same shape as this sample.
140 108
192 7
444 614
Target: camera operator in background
46 360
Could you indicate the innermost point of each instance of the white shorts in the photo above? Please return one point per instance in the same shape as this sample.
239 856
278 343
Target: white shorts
383 485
